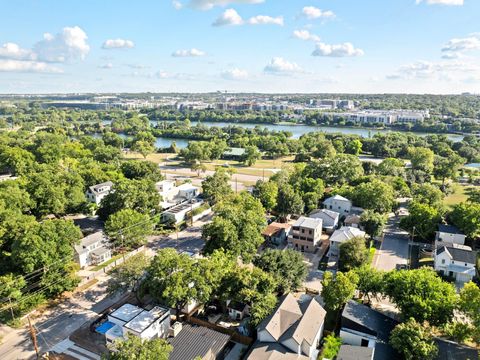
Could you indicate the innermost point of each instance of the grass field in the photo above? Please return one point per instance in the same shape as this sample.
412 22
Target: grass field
460 194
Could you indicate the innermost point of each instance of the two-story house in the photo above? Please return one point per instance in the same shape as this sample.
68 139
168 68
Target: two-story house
93 249
329 218
457 261
305 234
339 204
341 235
96 193
295 326
276 233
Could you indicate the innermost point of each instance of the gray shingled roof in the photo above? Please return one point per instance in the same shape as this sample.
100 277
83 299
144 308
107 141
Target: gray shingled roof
193 341
462 255
350 352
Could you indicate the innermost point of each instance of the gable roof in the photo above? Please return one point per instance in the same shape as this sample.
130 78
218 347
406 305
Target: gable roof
312 320
346 233
95 189
272 351
449 350
449 229
322 213
275 227
286 314
352 219
458 254
91 239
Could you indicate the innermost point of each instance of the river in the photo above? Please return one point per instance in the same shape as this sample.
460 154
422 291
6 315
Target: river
296 130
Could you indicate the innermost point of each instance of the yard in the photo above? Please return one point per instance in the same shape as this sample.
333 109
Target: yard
459 194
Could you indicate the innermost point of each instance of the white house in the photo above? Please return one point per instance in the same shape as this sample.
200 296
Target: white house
178 213
305 234
457 261
187 191
339 204
341 235
93 249
362 326
133 320
96 193
298 327
450 234
329 219
173 195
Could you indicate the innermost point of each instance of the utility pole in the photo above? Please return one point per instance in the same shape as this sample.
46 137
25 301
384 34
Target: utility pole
11 309
236 185
33 336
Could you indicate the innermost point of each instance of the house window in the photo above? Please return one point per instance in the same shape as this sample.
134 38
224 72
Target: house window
364 343
310 232
465 264
303 231
443 261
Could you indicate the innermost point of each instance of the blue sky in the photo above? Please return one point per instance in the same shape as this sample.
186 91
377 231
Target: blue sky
374 46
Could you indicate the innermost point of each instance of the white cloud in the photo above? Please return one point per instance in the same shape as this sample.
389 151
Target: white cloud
444 70
118 44
67 46
188 53
106 66
312 12
305 35
28 66
209 4
280 66
162 74
451 55
13 51
234 74
264 20
442 2
177 4
337 50
228 17
471 42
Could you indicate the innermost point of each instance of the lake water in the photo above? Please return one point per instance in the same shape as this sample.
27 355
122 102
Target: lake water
296 130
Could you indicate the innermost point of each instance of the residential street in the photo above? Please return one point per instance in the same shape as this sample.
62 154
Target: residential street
394 248
58 323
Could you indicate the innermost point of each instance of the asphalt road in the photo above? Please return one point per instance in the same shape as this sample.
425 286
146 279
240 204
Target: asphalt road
394 248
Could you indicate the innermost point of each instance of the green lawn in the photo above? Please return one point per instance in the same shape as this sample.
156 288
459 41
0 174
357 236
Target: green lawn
460 194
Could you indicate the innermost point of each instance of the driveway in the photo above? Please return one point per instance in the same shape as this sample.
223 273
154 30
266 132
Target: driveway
394 248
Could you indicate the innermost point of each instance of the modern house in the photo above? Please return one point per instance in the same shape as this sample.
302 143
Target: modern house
276 233
178 213
92 250
329 219
96 193
173 195
339 204
295 326
133 320
341 235
457 261
305 234
449 234
362 326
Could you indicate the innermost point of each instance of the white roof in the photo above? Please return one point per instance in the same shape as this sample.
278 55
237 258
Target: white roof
126 312
329 213
308 222
142 321
336 197
346 233
91 239
187 186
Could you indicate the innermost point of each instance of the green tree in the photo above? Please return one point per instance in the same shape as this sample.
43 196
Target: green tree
287 267
391 167
373 223
288 201
353 254
267 193
143 147
137 348
466 216
251 155
138 195
339 170
421 159
422 220
11 287
217 187
422 295
134 169
447 167
413 340
336 291
371 282
375 195
331 347
469 304
428 194
128 228
16 160
354 147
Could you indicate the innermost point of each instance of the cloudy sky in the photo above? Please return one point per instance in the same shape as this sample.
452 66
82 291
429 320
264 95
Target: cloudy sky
411 46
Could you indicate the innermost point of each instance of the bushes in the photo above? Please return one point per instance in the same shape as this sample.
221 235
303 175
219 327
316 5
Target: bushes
331 346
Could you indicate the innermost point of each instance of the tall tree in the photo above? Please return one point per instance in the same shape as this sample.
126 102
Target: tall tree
217 187
353 254
336 291
137 348
128 228
413 340
466 216
267 193
373 223
469 304
422 220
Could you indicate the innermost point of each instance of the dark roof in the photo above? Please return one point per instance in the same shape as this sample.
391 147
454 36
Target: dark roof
237 305
462 255
193 341
448 350
349 352
361 318
450 229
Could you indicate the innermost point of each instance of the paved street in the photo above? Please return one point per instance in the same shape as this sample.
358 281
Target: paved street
394 248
